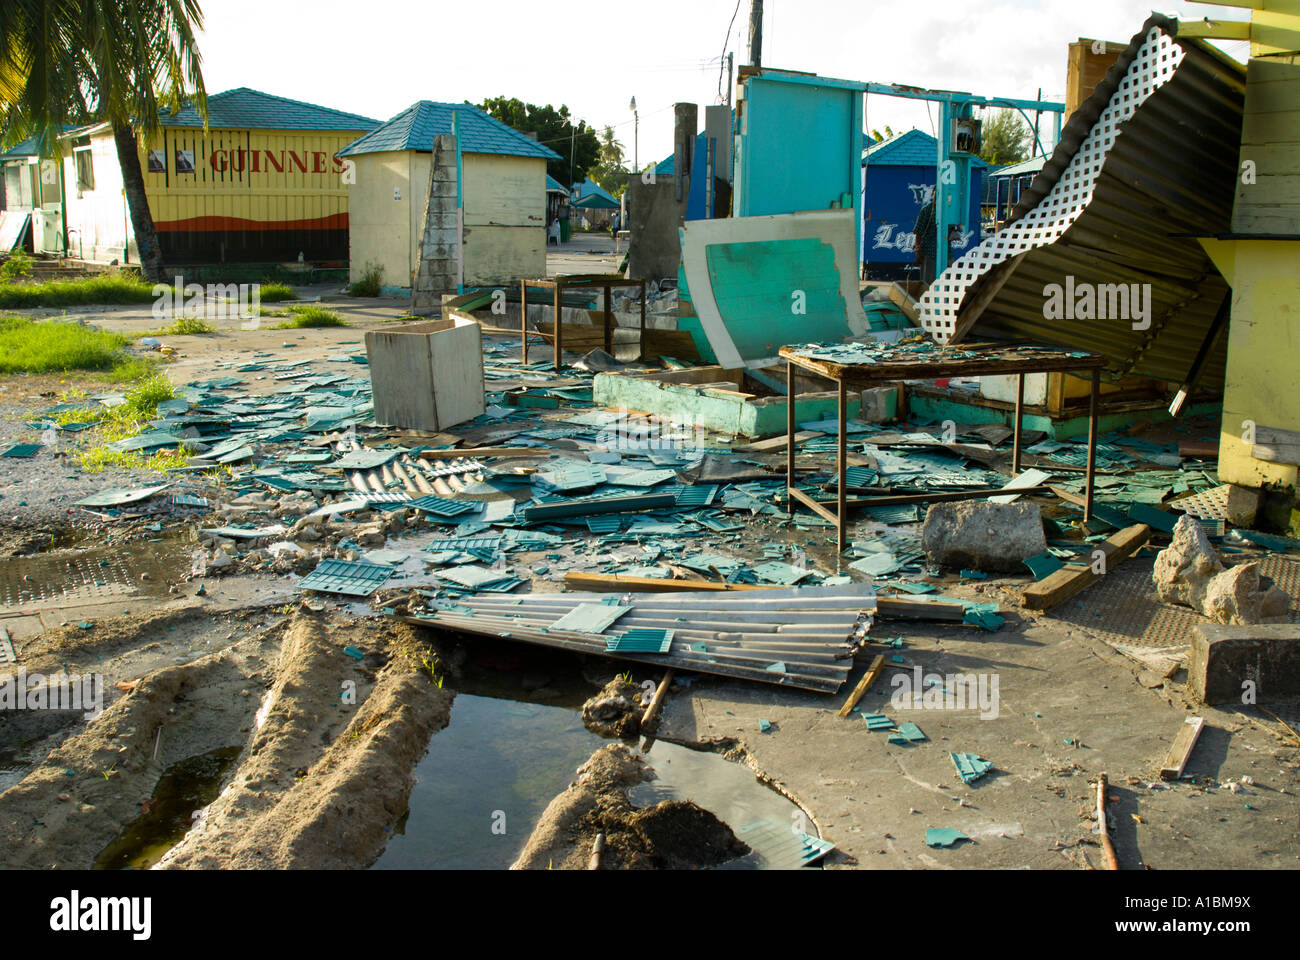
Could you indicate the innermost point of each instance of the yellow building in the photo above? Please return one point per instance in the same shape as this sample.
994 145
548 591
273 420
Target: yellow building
504 195
1259 444
263 184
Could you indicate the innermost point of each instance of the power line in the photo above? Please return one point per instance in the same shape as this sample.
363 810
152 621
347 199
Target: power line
726 40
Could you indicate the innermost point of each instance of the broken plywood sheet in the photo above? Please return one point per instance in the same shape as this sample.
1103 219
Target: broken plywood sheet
751 278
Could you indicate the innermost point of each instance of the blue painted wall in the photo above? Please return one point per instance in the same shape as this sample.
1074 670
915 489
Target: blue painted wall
892 199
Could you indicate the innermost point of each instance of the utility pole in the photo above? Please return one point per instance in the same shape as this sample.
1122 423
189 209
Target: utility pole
756 32
730 71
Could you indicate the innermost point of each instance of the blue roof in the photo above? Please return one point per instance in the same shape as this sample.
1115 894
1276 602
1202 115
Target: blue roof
915 148
1031 166
586 188
416 126
27 148
245 109
666 167
554 186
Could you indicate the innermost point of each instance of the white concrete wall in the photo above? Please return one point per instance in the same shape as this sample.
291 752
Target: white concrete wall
99 221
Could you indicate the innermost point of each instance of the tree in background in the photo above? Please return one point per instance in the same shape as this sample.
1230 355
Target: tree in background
71 62
609 173
889 133
577 145
1005 139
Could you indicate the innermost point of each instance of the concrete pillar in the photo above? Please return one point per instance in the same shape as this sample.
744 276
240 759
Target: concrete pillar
686 125
1258 663
440 250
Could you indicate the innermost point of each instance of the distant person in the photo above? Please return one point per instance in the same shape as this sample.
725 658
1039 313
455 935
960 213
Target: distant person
554 232
924 233
614 226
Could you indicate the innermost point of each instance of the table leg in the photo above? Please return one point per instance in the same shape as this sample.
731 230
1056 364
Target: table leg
789 436
523 317
1090 484
609 316
559 337
1020 410
841 468
642 357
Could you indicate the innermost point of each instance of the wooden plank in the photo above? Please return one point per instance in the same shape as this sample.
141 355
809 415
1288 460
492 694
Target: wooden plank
994 359
903 300
613 582
1182 747
1103 828
1025 481
776 443
1070 580
871 676
1275 445
650 720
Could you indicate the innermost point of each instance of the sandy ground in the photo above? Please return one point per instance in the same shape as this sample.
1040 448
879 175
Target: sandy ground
321 778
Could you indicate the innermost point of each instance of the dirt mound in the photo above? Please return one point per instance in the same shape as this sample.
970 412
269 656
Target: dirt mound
325 781
673 835
615 711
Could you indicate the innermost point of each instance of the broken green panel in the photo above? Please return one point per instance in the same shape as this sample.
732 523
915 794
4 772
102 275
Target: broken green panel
974 575
1110 514
501 586
470 575
643 478
246 533
353 579
970 766
605 523
322 457
696 495
877 721
120 498
912 588
983 615
898 513
717 524
782 573
1153 517
573 476
707 562
22 450
943 837
777 667
145 441
640 641
593 618
1269 541
699 646
909 732
812 849
443 507
367 459
1043 565
860 478
876 564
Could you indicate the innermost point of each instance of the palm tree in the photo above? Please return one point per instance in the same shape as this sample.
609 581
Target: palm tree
72 62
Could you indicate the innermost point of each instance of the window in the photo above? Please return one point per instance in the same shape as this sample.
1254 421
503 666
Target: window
85 170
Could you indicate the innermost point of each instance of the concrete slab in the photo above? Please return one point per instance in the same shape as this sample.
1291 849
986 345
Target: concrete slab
1248 664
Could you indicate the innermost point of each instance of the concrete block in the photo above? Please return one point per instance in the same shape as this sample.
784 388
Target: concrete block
879 405
1243 504
1229 662
427 376
995 537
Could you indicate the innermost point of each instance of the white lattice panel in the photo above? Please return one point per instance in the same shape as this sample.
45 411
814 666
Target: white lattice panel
1155 63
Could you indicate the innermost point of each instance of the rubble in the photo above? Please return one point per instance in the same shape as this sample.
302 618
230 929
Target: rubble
993 537
1189 572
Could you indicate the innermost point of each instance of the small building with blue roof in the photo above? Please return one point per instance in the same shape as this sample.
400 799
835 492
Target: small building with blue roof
504 195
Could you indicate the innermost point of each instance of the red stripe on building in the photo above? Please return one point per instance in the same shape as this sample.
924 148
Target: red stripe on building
337 221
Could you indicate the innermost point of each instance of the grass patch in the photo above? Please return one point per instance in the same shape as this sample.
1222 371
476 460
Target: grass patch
300 317
28 346
123 421
276 293
372 278
111 288
183 327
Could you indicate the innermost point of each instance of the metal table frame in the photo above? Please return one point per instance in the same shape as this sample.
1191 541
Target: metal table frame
605 281
932 366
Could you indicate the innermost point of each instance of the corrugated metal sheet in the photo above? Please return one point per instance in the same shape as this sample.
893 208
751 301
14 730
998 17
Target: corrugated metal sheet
1169 177
803 637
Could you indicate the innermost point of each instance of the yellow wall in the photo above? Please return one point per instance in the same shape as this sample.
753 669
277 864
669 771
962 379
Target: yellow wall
216 195
505 216
1263 344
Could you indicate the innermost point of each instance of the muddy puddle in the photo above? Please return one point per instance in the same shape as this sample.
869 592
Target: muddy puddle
184 789
487 778
77 569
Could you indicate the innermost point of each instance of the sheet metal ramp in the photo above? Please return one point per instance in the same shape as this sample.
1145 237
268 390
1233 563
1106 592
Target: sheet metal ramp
803 637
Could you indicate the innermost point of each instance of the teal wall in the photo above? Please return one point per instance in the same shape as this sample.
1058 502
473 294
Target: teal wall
799 146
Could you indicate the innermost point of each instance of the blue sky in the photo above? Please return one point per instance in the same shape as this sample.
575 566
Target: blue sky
379 56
